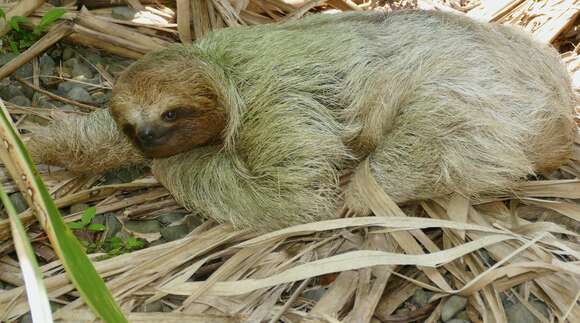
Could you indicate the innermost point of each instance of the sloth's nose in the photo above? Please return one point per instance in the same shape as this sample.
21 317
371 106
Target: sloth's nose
147 135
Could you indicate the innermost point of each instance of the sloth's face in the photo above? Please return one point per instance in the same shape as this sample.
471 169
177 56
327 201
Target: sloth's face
169 126
165 111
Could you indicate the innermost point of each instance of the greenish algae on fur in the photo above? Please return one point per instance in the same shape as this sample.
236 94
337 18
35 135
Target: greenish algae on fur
438 104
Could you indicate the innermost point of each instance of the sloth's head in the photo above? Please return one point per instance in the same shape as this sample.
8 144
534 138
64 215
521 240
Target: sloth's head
166 104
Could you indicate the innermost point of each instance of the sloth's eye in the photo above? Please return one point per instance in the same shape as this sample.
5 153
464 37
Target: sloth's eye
169 116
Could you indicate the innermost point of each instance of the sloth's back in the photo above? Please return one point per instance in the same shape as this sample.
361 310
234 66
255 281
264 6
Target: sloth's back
381 70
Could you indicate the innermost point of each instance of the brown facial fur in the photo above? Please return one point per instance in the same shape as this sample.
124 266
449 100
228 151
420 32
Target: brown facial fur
147 91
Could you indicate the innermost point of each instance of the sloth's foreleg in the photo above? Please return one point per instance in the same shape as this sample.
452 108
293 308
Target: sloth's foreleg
85 144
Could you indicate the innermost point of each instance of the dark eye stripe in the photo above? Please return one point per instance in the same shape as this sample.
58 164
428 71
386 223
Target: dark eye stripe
169 115
184 112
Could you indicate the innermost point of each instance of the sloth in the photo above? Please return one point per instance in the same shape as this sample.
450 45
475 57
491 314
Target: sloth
255 125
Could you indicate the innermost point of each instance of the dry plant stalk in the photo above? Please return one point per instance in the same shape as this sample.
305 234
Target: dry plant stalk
22 8
55 34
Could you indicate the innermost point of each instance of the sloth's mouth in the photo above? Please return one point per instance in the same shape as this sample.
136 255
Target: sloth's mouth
161 152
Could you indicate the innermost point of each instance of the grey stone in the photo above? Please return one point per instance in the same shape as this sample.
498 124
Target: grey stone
123 235
156 306
47 67
6 57
174 232
56 53
93 57
64 87
78 93
11 90
110 221
44 101
147 226
101 97
170 218
68 53
421 297
123 175
459 321
123 13
193 221
314 294
25 71
518 313
452 306
80 68
541 307
21 100
26 318
462 316
19 202
70 62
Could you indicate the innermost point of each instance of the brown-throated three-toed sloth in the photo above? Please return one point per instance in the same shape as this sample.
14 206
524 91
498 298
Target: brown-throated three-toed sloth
253 125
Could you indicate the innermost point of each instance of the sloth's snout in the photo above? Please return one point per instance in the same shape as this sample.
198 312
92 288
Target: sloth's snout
149 135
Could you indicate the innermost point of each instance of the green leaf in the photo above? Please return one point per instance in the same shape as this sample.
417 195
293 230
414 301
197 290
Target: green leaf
16 21
38 300
51 16
37 30
2 14
88 215
77 225
133 243
97 227
14 46
25 43
76 263
113 243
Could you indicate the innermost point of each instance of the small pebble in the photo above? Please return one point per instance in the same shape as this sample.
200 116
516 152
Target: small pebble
47 67
80 68
43 101
21 101
68 53
462 316
459 321
452 306
123 13
314 294
421 297
170 218
193 221
518 313
78 93
156 306
146 226
6 57
174 232
10 90
25 71
66 86
56 53
113 225
18 201
93 57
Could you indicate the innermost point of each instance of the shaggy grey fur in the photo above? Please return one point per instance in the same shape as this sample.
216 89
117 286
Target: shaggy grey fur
438 104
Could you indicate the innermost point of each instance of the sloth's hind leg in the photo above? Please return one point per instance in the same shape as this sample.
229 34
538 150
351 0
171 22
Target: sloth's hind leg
434 151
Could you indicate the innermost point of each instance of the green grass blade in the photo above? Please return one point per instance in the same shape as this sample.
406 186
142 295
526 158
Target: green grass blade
51 16
79 268
38 300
